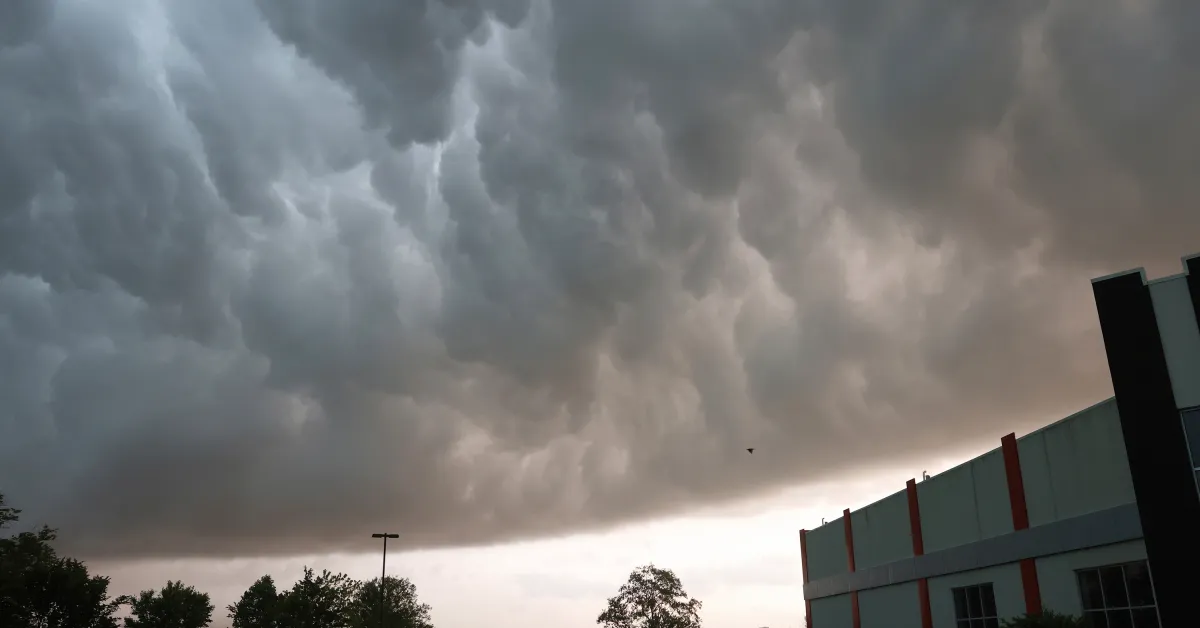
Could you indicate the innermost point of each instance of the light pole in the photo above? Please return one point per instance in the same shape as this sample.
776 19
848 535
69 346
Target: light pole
383 575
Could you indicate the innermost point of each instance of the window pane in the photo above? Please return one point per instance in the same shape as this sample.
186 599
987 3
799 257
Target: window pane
964 623
1095 619
991 623
1089 589
977 623
1113 584
960 604
974 608
1137 576
1145 618
1120 619
1191 425
989 600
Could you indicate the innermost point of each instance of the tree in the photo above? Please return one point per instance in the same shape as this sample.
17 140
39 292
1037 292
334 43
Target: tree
258 606
403 608
40 589
651 598
323 601
176 606
1046 619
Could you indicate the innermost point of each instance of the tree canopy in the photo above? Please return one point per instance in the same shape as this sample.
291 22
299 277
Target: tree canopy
403 608
258 607
175 606
652 598
40 589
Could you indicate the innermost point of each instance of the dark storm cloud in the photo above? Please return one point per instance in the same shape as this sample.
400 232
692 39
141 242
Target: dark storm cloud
274 275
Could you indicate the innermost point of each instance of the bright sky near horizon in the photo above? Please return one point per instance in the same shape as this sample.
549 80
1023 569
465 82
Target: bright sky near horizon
741 560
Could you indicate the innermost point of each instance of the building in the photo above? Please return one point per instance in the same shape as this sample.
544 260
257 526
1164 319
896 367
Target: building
1095 515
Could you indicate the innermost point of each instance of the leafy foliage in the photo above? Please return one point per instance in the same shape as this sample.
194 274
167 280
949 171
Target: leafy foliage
1047 619
259 606
40 589
176 606
323 601
652 598
403 608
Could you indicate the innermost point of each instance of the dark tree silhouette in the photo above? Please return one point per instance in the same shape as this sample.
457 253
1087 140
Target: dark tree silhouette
40 589
259 606
651 598
323 601
1045 619
402 608
176 606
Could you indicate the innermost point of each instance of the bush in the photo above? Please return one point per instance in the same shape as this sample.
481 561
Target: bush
1048 619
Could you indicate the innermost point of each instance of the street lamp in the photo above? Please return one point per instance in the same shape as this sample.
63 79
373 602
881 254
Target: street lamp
383 575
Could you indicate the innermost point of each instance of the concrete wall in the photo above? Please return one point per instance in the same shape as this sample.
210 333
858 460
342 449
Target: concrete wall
896 606
965 504
827 550
1076 466
1006 584
1180 337
1056 574
882 532
833 612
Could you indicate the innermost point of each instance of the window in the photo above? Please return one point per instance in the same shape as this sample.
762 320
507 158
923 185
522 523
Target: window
1118 596
975 606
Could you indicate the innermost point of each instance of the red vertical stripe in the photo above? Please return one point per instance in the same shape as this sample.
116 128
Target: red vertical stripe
1020 515
918 544
804 571
849 538
1016 483
1033 590
854 618
923 597
914 519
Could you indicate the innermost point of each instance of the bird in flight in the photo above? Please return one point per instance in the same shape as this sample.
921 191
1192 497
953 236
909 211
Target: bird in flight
751 450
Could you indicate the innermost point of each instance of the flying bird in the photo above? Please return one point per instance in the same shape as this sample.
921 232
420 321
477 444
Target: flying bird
751 450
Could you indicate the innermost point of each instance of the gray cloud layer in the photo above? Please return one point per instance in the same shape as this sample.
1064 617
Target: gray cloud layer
274 275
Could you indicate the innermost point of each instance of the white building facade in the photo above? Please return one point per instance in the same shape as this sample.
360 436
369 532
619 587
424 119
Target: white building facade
1097 515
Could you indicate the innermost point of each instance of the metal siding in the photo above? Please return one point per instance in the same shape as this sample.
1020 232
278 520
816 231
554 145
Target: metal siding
994 512
1060 590
1006 584
1088 465
948 513
1106 527
827 550
881 532
832 612
1180 338
1039 490
890 607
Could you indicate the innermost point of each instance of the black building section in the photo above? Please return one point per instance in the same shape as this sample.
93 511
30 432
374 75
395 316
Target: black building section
1193 282
1159 461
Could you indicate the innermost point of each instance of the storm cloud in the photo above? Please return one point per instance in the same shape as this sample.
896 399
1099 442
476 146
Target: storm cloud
274 275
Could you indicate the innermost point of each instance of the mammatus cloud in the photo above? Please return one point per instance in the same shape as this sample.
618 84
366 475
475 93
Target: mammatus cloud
274 275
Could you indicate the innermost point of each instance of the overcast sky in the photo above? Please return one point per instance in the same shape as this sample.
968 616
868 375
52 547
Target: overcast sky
277 274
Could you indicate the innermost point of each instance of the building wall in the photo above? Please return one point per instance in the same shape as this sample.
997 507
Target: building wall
881 532
1006 584
1180 337
1056 574
827 551
1076 466
965 504
896 606
833 612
